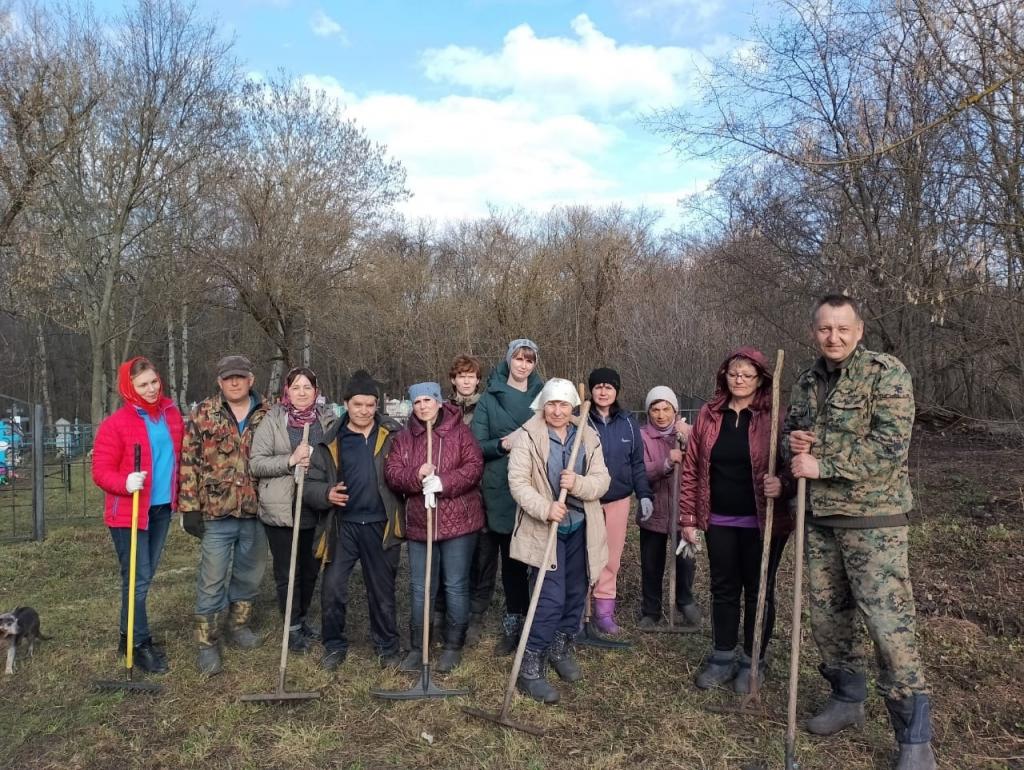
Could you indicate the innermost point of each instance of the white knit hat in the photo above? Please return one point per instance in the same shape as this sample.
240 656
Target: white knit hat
661 393
556 389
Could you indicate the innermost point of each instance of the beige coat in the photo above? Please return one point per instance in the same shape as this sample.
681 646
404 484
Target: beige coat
528 482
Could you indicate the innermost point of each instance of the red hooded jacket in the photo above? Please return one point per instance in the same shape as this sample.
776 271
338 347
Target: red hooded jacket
460 466
113 455
695 479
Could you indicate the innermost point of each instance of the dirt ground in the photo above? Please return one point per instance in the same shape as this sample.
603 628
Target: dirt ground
637 708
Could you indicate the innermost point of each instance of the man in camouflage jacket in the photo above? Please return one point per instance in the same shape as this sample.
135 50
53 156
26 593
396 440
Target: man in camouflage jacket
848 432
217 499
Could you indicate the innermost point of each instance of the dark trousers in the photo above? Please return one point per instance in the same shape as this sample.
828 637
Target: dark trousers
560 606
652 570
734 556
363 543
149 546
514 577
483 576
306 569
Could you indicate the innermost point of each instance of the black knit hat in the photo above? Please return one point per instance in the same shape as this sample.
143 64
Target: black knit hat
605 376
361 384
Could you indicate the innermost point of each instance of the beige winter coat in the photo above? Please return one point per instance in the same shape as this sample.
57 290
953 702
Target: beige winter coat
528 482
268 461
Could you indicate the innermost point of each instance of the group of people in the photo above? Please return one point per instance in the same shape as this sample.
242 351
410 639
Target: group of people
498 465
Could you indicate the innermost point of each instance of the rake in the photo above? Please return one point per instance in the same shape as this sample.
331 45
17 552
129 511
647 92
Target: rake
280 695
425 687
128 684
502 717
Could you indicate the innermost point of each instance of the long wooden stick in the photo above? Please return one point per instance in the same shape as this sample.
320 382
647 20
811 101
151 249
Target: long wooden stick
300 476
794 644
755 658
549 550
673 536
425 651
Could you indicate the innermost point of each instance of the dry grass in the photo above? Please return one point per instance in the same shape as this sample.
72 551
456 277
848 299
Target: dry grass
632 709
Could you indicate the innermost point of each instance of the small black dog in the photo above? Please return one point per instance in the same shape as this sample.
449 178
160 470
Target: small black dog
20 623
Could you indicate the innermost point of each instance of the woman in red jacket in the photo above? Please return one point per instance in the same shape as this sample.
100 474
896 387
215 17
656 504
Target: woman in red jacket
451 483
724 485
152 421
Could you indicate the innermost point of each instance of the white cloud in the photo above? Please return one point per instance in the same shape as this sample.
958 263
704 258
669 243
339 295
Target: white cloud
589 71
680 11
324 26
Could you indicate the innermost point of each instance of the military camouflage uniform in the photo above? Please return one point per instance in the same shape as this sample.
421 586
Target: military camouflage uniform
862 416
215 481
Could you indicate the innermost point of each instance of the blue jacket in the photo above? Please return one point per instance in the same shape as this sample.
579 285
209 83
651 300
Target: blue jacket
623 450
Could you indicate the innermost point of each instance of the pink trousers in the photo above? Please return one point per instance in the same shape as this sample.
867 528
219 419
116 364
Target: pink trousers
616 517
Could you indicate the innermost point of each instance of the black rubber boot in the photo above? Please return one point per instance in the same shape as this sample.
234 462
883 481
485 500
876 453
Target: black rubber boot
308 631
511 627
297 641
475 630
531 679
562 659
207 633
146 658
911 720
414 660
451 654
719 669
845 707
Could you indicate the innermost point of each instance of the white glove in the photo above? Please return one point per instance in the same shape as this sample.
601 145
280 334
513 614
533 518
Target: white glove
688 550
135 482
646 508
432 483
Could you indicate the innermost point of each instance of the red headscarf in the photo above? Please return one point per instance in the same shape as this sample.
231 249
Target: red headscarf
127 390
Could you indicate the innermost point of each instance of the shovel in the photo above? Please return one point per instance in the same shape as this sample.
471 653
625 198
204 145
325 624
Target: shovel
673 537
502 717
751 704
281 695
425 687
128 684
794 643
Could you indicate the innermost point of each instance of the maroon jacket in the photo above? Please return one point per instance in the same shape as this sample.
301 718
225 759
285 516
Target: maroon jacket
659 474
460 466
695 481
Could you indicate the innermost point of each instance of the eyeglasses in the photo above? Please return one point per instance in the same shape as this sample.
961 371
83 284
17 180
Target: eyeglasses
741 376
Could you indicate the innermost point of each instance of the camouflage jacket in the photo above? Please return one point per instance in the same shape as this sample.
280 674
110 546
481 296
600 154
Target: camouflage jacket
215 476
863 432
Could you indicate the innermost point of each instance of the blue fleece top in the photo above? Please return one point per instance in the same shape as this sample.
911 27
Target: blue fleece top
162 449
558 461
359 473
623 450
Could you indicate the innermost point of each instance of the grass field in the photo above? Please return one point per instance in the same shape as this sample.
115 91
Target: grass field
634 709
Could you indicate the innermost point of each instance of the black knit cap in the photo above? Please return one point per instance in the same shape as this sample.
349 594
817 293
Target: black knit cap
605 376
361 384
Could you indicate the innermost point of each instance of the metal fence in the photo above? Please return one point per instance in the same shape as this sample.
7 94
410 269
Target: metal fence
45 472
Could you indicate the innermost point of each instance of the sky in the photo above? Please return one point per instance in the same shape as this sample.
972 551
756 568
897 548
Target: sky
503 103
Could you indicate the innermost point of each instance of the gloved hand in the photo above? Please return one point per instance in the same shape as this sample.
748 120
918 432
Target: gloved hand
689 550
646 508
135 482
431 486
192 522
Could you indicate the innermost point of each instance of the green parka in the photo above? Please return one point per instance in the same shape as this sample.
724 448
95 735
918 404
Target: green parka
501 410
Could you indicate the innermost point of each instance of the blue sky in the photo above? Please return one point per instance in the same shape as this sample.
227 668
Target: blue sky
507 103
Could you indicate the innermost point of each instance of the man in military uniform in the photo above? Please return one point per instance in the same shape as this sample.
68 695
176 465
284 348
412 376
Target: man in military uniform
217 500
848 432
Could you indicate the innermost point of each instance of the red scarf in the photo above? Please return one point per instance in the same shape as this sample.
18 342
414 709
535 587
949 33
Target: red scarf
127 390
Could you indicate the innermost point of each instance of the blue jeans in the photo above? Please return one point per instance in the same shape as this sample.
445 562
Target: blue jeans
457 555
564 593
232 558
148 550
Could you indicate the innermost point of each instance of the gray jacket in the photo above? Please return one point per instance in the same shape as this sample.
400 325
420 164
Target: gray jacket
268 462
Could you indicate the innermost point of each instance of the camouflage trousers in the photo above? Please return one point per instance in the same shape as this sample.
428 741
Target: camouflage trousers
863 573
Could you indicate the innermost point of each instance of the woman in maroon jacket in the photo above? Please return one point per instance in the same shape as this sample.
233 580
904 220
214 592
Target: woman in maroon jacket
723 490
451 483
151 421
